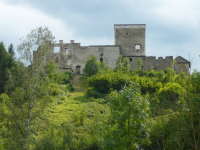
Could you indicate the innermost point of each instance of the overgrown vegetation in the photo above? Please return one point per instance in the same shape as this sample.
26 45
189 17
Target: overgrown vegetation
119 110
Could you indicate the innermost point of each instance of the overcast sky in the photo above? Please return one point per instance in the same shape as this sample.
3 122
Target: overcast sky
172 26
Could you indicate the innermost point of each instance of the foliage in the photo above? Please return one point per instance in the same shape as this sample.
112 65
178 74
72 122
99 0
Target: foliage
139 63
170 92
129 112
91 66
70 88
119 64
7 61
55 75
104 83
27 91
11 49
51 67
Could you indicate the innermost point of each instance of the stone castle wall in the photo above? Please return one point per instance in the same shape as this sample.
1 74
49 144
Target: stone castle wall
74 56
150 62
129 42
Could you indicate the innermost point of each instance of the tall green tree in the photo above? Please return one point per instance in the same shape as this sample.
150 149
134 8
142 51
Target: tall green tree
11 49
119 64
129 115
139 63
6 62
28 93
126 65
91 66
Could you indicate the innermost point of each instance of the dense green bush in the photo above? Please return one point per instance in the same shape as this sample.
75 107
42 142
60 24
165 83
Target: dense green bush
70 88
170 92
91 66
56 75
104 83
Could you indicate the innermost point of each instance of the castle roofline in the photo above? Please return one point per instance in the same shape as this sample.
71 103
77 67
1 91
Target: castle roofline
103 45
130 26
180 59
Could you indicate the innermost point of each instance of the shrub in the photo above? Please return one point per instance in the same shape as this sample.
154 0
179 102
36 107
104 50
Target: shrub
70 88
91 66
103 83
170 92
92 93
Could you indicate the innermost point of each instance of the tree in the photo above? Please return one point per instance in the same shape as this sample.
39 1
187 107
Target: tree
6 62
91 66
129 112
119 63
11 49
139 62
28 93
126 65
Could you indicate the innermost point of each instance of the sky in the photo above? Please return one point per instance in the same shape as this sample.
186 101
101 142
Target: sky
172 26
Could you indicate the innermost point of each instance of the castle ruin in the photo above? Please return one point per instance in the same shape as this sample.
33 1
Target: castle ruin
129 42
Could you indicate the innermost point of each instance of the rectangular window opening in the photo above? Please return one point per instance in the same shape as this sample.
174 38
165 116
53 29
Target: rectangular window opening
130 59
56 49
137 47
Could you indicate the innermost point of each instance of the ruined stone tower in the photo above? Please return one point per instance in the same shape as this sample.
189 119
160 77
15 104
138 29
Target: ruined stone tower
131 38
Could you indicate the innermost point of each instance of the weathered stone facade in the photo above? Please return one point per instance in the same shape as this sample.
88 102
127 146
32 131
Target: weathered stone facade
129 42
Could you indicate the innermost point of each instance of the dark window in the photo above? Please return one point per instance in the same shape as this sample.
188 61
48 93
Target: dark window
57 59
101 60
130 59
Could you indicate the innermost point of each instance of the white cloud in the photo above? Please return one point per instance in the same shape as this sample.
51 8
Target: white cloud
19 20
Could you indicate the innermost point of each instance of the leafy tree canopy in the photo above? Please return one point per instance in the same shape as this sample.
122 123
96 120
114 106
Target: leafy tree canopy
91 66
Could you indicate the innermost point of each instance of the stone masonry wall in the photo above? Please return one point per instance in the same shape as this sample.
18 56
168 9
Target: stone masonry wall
74 56
182 67
151 62
128 36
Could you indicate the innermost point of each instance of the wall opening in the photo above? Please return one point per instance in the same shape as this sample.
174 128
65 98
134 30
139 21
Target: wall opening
155 69
57 59
67 51
137 47
101 60
130 59
101 54
78 68
56 49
